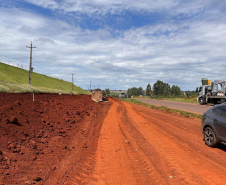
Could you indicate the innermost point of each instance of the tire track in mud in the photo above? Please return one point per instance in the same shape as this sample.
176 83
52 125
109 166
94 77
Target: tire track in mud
77 167
180 130
141 146
183 161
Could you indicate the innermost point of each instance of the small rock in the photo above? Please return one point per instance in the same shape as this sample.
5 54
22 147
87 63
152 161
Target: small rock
43 140
72 122
61 131
53 168
16 150
6 121
14 121
17 103
37 179
26 121
21 152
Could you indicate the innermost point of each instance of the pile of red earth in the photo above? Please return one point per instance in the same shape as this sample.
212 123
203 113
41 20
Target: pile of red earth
54 135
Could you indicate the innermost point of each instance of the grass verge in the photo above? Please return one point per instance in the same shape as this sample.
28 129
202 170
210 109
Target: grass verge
8 87
164 108
186 100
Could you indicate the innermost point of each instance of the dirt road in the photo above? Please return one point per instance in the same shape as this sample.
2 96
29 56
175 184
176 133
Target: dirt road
191 107
83 142
142 146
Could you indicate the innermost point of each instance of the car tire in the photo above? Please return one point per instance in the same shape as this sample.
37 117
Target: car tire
210 137
201 102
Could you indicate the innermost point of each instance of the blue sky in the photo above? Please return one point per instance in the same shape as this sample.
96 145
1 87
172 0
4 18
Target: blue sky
117 44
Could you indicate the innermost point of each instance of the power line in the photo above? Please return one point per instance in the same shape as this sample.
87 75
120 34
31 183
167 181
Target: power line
11 33
13 37
47 58
24 43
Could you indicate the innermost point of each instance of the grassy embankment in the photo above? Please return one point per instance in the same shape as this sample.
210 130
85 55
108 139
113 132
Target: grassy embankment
15 80
163 108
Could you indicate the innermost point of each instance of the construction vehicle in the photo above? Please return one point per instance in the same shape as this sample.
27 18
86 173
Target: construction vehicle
211 92
97 96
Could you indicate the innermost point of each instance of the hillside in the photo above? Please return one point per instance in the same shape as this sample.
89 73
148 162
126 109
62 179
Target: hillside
13 79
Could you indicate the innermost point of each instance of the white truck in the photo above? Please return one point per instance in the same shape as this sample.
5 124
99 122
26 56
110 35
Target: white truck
213 92
122 95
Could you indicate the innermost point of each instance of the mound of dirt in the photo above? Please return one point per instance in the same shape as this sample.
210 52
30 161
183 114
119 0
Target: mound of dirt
43 139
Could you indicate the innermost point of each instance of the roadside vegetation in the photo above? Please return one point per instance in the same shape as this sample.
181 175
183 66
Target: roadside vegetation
163 91
163 108
15 80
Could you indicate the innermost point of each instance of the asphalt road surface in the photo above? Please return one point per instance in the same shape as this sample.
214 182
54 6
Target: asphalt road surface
191 107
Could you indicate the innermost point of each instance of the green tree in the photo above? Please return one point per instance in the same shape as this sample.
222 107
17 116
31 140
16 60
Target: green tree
134 91
107 91
129 92
166 90
140 91
158 88
148 90
161 88
103 93
175 91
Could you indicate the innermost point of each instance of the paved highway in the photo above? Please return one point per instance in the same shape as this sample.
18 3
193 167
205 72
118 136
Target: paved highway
191 107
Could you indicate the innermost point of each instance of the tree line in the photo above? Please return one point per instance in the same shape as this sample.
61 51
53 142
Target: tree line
160 88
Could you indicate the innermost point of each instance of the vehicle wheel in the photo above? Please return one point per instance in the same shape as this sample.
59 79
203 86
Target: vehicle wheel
201 102
209 137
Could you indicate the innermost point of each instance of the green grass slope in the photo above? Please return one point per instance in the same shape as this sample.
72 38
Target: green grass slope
13 79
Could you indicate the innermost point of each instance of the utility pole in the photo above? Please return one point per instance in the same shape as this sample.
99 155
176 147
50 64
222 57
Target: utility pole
90 86
30 68
72 82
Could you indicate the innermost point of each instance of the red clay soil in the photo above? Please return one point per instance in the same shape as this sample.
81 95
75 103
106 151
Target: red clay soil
49 141
71 140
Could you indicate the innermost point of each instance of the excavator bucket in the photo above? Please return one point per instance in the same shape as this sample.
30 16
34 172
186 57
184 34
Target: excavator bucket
96 96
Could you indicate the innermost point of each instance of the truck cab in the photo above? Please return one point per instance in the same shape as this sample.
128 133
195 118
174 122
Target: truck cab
122 95
202 92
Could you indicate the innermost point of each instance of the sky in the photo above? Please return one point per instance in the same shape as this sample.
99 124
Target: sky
117 44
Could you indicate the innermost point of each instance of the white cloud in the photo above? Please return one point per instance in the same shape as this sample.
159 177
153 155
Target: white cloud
177 52
104 7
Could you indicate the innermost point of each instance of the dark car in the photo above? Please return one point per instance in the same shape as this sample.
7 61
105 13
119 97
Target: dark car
214 125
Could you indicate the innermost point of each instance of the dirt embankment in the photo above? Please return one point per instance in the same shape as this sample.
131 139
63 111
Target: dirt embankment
72 140
49 141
